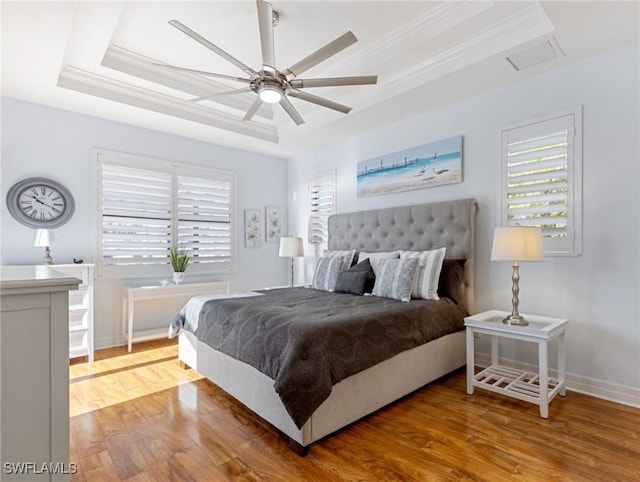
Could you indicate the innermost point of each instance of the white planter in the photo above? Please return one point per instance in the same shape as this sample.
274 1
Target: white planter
178 277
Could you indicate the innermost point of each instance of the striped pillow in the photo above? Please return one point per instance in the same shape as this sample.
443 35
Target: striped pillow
395 278
326 274
426 283
374 258
347 254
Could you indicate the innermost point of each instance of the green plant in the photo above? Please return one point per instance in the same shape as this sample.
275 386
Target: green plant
179 260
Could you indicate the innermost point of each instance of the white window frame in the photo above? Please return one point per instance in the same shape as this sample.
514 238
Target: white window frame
571 245
326 178
175 169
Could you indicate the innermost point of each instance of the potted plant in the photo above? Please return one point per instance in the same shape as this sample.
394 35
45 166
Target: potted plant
179 262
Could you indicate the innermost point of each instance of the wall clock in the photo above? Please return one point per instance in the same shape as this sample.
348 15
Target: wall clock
41 203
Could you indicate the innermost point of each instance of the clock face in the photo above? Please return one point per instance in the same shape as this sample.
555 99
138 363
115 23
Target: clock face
40 203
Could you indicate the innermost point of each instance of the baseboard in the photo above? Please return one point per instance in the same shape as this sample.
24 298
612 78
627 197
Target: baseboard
108 342
614 392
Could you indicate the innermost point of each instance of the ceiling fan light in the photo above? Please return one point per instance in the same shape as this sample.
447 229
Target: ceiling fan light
270 94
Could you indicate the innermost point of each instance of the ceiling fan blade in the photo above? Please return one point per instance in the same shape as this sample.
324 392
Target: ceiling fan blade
314 99
202 72
219 94
198 38
334 81
265 22
320 55
289 109
253 109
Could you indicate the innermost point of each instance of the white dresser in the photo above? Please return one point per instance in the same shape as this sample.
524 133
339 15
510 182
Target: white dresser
34 373
80 309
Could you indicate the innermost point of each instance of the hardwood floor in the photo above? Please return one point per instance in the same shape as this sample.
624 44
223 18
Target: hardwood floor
140 417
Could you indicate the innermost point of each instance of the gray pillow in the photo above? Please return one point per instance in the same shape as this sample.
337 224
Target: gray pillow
394 278
451 283
352 282
326 273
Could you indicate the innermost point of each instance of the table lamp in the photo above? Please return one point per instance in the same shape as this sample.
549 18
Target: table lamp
44 239
516 243
291 247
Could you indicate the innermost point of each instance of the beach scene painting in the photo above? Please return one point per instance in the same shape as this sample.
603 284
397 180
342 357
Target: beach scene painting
429 165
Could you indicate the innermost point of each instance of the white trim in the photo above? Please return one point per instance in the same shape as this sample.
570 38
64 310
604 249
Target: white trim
594 387
100 86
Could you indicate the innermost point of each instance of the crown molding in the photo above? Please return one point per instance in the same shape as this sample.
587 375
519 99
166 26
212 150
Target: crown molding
528 23
98 85
129 62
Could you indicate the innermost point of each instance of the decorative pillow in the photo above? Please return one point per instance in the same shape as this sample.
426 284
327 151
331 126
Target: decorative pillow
375 257
326 273
352 282
365 267
347 254
395 278
451 283
426 283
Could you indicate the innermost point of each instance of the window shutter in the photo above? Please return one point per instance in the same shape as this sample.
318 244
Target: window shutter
322 205
539 181
204 218
146 206
136 215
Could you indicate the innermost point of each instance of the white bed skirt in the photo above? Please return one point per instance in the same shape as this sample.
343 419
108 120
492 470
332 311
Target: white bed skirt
351 399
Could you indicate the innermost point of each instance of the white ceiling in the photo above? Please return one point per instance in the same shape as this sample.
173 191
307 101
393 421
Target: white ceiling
97 58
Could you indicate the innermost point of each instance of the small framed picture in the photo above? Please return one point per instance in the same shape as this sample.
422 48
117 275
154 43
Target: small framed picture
252 228
273 224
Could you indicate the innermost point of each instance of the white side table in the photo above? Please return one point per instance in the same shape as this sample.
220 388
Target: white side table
179 293
538 388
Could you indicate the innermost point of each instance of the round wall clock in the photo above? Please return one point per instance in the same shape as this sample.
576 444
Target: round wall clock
38 202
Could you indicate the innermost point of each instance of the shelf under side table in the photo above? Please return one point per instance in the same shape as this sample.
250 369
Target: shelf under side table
516 383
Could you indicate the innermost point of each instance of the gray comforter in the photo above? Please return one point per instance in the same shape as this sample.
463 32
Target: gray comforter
308 340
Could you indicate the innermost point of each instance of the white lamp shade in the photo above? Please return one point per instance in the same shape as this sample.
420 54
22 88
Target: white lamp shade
517 243
291 247
44 238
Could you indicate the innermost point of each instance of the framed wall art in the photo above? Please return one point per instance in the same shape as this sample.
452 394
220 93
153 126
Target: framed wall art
428 165
252 228
273 224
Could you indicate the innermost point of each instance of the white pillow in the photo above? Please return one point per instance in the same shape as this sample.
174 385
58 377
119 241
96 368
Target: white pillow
395 278
375 257
425 284
326 273
347 254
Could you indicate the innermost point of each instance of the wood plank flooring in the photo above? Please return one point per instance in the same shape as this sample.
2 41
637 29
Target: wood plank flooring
140 417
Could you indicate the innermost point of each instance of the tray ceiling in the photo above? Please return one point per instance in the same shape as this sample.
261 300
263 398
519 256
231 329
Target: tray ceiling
100 58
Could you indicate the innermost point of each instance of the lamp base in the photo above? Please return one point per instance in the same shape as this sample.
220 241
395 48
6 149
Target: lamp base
515 320
47 259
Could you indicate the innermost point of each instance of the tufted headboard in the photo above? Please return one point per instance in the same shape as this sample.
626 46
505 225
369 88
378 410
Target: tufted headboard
412 228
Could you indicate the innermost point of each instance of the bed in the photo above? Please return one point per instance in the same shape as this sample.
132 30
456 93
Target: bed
409 228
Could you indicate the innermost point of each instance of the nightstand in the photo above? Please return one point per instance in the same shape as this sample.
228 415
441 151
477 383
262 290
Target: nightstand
538 388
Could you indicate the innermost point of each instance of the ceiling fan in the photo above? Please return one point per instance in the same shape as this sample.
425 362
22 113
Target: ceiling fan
270 84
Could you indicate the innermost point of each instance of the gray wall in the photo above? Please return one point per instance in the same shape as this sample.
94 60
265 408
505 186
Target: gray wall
42 141
598 291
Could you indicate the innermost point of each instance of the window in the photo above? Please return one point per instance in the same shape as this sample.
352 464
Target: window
322 203
147 206
541 180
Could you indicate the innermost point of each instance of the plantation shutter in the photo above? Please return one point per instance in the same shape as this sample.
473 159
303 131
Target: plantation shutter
204 217
136 216
147 206
322 205
539 181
